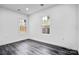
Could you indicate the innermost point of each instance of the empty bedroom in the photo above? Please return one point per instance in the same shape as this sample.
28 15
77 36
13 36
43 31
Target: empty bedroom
39 29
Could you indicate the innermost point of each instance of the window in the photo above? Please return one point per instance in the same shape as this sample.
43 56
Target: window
45 25
22 26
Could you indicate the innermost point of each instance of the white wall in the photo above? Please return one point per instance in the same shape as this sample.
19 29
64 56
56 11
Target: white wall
78 26
9 26
63 26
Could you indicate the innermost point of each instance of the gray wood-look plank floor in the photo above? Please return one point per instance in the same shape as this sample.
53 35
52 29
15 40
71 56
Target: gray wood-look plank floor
31 47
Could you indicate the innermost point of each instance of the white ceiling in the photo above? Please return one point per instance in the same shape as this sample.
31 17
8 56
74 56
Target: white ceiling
32 7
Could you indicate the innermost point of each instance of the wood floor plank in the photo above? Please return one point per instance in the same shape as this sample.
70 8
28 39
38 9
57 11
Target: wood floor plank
32 47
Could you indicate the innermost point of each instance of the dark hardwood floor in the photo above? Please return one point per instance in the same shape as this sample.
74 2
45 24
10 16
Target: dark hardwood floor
31 47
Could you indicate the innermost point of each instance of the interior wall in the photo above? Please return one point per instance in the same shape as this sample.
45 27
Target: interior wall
9 26
62 28
78 26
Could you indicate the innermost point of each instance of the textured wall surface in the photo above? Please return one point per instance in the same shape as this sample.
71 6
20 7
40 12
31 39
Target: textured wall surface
9 26
62 29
